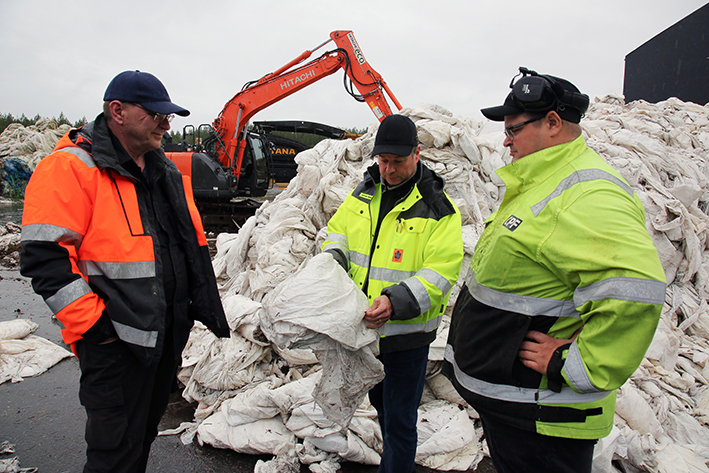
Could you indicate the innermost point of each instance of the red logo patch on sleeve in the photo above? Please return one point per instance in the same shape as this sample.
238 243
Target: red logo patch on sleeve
397 256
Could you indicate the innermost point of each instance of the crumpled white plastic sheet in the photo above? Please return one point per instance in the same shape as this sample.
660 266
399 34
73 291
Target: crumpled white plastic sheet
287 409
320 308
24 355
447 438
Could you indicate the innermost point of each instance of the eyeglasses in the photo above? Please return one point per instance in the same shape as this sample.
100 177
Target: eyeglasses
509 131
158 117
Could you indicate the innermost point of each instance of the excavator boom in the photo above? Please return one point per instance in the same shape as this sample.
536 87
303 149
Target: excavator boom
231 124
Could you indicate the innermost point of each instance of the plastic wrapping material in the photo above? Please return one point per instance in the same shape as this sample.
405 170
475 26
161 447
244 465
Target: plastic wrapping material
31 143
24 355
322 309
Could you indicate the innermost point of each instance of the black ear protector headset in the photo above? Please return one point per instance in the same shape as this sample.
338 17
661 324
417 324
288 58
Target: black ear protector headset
541 93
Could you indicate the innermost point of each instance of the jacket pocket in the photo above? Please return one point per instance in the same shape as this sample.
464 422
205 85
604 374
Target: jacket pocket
101 393
106 415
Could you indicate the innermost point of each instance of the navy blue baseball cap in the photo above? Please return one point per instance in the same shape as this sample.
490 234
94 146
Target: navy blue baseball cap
396 135
143 89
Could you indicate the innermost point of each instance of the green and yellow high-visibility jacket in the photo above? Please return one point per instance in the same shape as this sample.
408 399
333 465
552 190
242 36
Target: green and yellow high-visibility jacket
415 259
568 249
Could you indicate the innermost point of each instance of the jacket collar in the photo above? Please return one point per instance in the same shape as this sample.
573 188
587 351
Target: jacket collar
538 167
102 148
430 186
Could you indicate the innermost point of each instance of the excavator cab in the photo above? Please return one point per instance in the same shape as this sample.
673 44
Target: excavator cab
255 167
195 156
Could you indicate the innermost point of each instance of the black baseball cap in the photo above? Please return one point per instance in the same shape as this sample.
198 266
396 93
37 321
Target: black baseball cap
396 135
144 89
537 93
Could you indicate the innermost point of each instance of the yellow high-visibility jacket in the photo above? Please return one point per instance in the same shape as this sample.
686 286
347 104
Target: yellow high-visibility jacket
415 259
567 250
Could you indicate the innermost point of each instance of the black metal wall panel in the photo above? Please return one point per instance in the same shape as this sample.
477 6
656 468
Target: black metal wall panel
675 63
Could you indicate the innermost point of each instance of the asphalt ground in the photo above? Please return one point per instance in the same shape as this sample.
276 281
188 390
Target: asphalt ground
42 416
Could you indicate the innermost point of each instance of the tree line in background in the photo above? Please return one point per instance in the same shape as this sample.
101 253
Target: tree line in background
305 138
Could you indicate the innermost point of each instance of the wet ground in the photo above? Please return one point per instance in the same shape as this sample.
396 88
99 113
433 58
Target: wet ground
10 211
42 416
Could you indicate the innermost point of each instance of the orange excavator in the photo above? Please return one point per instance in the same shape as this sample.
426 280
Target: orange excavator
233 160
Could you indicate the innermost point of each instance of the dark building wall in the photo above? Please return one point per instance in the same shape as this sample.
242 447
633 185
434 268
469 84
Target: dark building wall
675 63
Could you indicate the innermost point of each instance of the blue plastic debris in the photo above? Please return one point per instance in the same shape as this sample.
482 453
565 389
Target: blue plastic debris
14 176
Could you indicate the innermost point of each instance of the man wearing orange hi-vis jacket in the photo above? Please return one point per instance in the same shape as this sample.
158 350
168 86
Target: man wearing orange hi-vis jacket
113 242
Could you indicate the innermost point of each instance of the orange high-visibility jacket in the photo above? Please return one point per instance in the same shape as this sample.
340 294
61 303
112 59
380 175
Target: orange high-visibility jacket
90 245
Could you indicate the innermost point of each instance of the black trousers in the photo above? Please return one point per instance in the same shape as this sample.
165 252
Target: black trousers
124 403
515 451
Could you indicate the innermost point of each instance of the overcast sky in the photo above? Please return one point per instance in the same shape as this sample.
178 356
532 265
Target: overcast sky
59 56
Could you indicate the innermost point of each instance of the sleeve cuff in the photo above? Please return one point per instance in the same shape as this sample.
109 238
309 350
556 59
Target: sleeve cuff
554 377
403 303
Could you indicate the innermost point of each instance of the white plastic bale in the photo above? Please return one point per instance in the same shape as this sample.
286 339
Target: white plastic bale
433 133
16 329
28 356
257 438
446 438
675 458
318 461
228 363
286 461
243 317
360 451
685 430
308 421
605 450
365 427
252 404
632 407
665 346
295 393
638 453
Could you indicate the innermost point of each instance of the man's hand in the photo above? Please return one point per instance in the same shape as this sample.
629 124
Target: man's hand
379 312
537 349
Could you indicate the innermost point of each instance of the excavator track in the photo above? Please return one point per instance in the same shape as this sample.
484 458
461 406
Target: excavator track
226 217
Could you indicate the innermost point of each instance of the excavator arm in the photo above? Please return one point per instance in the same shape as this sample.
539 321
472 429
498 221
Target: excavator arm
230 126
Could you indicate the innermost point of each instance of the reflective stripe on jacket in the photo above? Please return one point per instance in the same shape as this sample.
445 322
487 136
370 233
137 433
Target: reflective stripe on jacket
567 250
416 258
88 250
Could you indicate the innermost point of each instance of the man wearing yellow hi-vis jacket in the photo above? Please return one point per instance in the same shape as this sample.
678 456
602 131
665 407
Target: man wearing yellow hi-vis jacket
399 237
563 294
